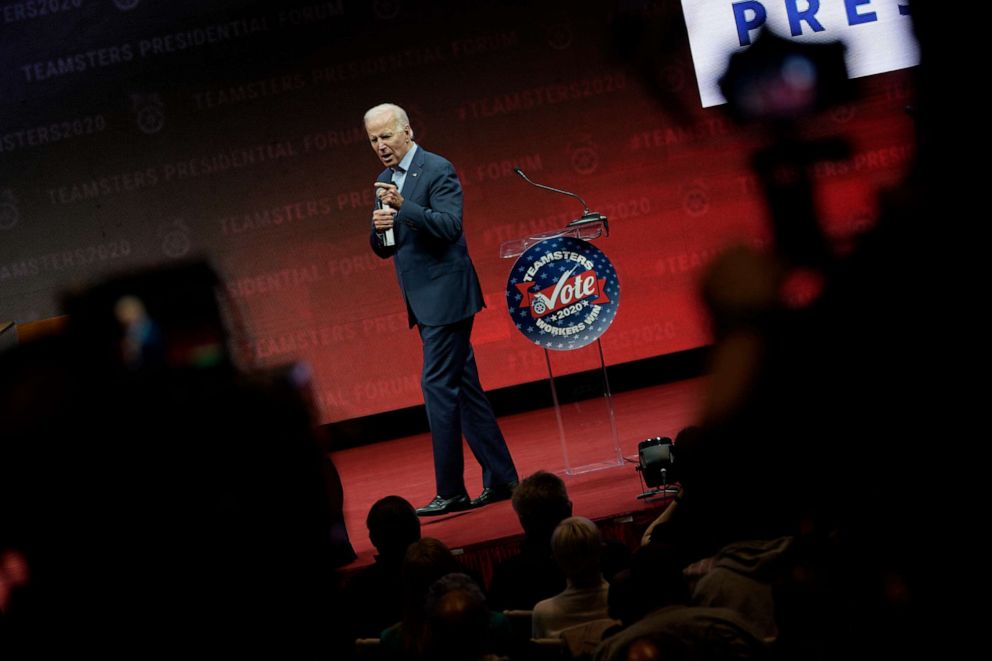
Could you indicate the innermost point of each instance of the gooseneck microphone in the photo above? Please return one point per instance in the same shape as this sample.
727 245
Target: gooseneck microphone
585 207
587 215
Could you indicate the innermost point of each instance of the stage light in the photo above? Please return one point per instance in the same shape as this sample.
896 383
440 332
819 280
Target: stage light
656 463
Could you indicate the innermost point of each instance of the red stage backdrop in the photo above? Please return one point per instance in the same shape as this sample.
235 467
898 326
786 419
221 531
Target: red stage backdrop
135 132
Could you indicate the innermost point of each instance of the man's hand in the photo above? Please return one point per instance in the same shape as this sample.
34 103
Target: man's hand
382 219
389 194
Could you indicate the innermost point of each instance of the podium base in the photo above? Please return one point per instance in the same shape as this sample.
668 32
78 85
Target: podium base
589 468
614 457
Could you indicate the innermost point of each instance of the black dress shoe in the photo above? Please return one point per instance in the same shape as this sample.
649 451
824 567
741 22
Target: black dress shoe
441 505
494 494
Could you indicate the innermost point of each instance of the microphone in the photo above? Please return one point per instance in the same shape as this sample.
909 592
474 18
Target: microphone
386 238
587 215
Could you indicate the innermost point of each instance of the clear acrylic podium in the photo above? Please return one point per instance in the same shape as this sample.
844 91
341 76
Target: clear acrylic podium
586 424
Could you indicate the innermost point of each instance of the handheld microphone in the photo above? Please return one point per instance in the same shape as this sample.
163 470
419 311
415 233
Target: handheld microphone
386 237
587 215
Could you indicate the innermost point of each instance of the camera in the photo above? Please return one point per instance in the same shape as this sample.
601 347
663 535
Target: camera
162 318
779 80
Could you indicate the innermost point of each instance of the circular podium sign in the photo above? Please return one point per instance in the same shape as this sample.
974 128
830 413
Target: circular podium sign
562 293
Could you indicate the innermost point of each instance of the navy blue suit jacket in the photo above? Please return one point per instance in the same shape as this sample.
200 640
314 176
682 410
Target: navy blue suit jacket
435 273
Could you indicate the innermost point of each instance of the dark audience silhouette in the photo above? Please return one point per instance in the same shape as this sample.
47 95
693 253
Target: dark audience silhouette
460 625
424 562
541 502
167 504
373 594
823 413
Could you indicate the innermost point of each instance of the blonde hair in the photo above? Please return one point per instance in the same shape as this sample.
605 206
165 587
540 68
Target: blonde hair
577 545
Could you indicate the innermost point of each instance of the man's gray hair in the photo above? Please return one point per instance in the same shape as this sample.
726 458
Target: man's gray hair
402 120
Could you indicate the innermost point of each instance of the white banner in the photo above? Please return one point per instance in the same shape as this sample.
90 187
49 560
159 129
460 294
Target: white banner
878 34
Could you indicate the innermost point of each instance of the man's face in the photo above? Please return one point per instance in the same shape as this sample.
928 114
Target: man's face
389 140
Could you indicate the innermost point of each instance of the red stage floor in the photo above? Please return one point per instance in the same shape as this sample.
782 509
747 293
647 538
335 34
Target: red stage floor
404 466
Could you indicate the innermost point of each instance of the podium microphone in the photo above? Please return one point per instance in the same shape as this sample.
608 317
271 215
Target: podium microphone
587 215
386 238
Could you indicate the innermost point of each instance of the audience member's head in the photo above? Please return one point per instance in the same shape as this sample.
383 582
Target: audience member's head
643 649
393 525
458 618
199 500
577 547
425 561
660 645
654 580
541 503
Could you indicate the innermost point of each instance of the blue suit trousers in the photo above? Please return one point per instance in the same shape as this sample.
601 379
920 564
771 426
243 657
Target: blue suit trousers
457 405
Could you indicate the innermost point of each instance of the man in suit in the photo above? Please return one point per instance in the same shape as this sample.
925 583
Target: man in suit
420 200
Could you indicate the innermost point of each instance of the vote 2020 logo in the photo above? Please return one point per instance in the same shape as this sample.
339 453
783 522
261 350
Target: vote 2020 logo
562 293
